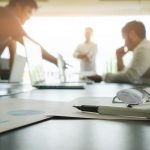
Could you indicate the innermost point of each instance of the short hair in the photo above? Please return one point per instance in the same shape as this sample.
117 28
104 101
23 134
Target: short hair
23 3
89 29
136 26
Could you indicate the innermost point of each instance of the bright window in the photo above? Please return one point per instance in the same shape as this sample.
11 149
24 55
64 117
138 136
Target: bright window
63 34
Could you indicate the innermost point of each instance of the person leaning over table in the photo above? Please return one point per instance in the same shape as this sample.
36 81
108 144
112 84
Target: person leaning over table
134 34
12 17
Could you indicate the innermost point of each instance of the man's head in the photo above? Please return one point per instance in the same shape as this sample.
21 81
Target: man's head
23 9
133 33
88 33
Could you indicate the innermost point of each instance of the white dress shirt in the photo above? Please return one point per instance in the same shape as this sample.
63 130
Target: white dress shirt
139 68
87 65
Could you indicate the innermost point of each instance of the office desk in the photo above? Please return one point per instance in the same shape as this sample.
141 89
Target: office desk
78 134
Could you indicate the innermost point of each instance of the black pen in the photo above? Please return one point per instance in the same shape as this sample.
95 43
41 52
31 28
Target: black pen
116 110
87 108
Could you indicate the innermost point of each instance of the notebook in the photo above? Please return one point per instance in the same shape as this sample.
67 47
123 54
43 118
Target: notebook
17 70
36 70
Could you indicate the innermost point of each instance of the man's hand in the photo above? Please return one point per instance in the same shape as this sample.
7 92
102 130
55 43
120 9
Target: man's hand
96 78
82 56
120 52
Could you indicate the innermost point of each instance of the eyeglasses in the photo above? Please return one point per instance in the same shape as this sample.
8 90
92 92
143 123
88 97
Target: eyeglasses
132 96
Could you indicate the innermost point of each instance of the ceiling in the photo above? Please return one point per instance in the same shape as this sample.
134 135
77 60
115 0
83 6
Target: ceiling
92 7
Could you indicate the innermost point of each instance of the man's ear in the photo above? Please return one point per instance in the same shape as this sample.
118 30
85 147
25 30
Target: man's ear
133 35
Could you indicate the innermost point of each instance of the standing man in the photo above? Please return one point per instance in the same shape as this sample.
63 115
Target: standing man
12 17
134 35
86 53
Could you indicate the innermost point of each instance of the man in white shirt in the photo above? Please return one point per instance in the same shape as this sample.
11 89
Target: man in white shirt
86 53
138 71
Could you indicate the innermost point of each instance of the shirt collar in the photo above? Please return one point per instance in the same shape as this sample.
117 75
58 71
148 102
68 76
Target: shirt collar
141 43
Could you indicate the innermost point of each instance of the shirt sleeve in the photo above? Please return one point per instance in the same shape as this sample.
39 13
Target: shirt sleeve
77 51
92 53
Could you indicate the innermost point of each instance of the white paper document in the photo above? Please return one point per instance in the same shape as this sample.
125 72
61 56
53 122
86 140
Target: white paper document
16 113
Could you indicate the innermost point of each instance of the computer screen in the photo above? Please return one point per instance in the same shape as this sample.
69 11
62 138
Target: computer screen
34 60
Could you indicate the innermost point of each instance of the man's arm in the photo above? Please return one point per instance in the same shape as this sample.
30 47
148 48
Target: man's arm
12 51
119 54
80 54
49 57
139 65
91 54
88 55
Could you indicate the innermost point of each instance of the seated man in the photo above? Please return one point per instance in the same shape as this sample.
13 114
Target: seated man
134 34
12 17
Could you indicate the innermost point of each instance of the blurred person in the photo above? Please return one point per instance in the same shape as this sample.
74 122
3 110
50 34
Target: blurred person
138 71
12 17
86 53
